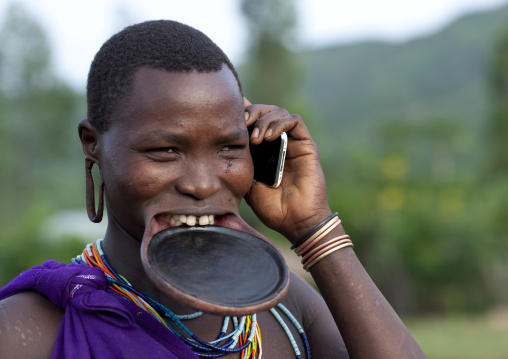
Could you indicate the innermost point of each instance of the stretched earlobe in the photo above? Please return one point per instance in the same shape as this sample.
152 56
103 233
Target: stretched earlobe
94 215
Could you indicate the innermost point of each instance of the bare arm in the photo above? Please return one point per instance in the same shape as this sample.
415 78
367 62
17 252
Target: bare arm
29 325
366 320
369 326
306 304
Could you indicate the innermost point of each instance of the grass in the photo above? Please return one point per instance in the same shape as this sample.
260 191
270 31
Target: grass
462 337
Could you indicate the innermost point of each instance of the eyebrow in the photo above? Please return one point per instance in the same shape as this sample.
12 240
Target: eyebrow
157 135
233 135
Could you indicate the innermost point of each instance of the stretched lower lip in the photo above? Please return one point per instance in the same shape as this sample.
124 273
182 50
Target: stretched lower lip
231 221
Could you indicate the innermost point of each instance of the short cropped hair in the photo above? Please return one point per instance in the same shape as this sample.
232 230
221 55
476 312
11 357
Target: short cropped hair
162 44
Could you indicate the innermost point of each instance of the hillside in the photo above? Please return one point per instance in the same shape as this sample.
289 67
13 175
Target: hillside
357 87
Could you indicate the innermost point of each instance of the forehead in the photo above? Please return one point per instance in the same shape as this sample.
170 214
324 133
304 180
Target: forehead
156 92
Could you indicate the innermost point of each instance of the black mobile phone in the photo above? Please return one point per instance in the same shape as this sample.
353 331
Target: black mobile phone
268 158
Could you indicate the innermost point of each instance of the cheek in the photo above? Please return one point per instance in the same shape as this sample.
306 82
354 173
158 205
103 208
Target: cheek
131 183
239 176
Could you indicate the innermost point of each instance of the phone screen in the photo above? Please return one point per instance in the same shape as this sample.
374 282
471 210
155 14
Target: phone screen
268 159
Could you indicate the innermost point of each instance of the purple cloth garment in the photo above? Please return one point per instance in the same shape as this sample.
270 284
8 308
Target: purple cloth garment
97 323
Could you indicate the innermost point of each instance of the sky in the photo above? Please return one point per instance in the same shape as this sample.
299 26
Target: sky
77 29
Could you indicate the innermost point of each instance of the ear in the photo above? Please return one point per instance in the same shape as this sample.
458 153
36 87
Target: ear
89 137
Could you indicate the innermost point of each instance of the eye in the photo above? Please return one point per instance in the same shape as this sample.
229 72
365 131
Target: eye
163 149
163 153
232 151
232 147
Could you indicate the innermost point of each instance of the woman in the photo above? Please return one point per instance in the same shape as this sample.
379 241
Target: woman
167 127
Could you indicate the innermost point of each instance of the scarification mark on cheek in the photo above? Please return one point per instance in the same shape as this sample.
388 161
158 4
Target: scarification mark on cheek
229 164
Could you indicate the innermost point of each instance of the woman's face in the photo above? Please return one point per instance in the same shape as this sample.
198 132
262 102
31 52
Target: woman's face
178 148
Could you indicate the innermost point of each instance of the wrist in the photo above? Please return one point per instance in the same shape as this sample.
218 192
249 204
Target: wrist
303 229
325 238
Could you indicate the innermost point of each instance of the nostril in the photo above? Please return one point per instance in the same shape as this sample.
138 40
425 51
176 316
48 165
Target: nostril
198 185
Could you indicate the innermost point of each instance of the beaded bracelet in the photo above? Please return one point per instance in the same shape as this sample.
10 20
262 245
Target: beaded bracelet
319 235
326 254
313 230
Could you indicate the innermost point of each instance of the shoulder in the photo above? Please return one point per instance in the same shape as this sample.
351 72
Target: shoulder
29 325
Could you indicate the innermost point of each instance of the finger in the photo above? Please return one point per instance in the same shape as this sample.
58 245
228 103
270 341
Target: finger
261 195
283 124
246 103
275 130
257 111
262 125
293 125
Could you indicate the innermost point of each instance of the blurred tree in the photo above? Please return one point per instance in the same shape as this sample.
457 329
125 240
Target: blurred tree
498 129
36 112
421 224
494 178
39 154
271 74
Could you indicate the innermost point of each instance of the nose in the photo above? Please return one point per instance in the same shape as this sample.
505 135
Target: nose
200 180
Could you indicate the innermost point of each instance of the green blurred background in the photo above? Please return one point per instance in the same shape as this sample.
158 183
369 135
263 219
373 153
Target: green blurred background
413 139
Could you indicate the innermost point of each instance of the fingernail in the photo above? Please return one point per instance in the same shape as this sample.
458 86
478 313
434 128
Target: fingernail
247 115
269 133
255 133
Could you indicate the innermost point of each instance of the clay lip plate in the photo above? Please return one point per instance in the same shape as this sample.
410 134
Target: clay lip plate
215 269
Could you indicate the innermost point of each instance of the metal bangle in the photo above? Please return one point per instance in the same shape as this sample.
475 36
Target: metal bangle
326 254
316 237
314 229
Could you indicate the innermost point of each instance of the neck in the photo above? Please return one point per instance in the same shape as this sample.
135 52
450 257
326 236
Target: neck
123 252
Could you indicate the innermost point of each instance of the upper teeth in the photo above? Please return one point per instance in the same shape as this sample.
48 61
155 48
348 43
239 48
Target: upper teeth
190 220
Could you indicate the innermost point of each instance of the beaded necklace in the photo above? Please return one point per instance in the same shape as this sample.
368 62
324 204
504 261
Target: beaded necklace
245 338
